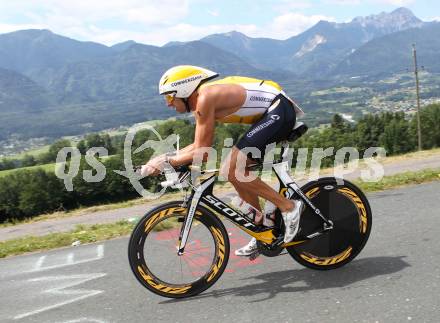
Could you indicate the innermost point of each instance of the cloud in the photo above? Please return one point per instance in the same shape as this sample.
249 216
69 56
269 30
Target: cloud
343 2
145 21
288 5
399 3
117 19
187 32
146 12
282 27
7 28
291 24
213 13
59 15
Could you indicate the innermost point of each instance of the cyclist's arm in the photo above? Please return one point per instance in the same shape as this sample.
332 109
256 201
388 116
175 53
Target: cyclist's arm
186 149
205 125
190 147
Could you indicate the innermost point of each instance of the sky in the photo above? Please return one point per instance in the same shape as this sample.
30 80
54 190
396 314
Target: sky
157 22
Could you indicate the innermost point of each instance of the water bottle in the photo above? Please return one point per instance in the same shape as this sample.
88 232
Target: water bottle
251 213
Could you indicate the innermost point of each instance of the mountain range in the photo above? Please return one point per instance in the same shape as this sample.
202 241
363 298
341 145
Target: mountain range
51 85
318 50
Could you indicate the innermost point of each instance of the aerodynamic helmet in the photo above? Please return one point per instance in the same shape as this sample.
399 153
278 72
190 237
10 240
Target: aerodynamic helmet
181 81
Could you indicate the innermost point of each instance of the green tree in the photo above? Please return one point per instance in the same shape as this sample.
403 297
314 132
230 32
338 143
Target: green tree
82 147
28 193
368 130
51 155
108 144
28 160
8 164
396 137
94 140
117 187
338 122
9 197
430 126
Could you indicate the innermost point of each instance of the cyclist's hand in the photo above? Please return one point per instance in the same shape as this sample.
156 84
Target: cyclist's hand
154 166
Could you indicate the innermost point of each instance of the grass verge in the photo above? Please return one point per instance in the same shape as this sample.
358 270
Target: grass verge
82 233
402 179
100 232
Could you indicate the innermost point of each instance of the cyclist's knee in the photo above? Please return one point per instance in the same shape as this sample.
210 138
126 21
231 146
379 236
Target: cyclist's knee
227 171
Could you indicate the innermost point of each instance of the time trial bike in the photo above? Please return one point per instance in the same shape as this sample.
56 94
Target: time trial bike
181 248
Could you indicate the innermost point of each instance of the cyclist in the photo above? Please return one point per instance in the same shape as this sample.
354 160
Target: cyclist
261 103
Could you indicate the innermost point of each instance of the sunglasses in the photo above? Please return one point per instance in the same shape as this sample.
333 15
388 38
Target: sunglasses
169 98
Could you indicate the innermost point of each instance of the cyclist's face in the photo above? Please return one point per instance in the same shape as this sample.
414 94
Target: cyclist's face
177 104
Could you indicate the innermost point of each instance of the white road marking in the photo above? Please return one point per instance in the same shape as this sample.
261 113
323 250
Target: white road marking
78 279
100 250
84 319
39 263
69 261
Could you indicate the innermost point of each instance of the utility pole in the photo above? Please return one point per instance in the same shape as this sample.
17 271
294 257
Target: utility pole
416 72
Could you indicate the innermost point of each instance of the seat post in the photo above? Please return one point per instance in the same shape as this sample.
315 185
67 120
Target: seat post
284 150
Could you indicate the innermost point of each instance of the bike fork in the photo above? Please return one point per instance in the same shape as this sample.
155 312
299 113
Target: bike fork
187 223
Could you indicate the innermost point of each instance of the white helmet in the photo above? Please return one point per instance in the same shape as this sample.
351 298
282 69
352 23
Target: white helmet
184 80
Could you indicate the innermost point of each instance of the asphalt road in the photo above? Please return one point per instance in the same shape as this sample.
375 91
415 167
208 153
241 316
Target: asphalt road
396 278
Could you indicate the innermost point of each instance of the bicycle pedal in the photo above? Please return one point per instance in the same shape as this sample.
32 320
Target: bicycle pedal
254 255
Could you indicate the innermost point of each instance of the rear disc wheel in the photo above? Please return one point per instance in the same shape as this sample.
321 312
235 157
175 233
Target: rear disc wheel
348 208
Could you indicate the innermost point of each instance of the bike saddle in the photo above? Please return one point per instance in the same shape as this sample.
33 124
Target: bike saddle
298 130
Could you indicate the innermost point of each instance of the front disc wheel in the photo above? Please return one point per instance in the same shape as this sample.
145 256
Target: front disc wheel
153 251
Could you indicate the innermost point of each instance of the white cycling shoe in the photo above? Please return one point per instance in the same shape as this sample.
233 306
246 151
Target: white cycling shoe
248 249
291 220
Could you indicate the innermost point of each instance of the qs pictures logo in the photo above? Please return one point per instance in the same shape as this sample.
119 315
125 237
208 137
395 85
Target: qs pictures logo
69 160
159 146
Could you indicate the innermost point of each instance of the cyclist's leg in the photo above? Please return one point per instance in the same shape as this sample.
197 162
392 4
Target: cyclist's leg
273 127
255 187
250 198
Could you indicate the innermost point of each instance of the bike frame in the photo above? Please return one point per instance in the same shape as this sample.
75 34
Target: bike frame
202 193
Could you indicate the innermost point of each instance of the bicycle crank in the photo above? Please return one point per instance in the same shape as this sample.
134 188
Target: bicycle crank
271 250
